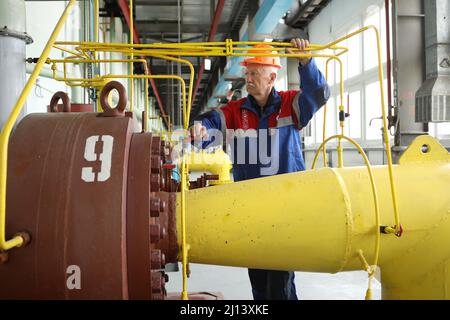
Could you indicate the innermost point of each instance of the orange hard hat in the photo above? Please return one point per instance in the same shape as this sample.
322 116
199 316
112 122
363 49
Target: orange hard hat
267 61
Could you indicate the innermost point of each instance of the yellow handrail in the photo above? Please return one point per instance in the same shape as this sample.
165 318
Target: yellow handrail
77 54
6 131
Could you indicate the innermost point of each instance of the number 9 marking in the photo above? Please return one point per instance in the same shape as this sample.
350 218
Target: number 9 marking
87 173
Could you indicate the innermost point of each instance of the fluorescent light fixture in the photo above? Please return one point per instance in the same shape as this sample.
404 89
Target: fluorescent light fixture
268 39
207 64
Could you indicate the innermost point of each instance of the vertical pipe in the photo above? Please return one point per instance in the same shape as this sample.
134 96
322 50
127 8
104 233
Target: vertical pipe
179 65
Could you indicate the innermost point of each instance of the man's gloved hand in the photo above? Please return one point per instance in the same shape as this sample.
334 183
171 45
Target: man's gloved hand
300 44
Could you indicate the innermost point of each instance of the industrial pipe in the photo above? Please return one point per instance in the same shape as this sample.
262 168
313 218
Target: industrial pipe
318 221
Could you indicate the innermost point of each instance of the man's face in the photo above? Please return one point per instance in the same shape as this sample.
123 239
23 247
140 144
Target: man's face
259 80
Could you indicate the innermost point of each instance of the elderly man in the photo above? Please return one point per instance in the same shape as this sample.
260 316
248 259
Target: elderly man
266 128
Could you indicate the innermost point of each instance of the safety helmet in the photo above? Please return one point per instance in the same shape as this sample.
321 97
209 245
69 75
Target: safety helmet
267 61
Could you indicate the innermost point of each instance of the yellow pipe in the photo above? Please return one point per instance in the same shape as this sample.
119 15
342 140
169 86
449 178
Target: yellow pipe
320 220
6 131
87 82
186 113
95 60
187 51
69 51
182 230
340 150
371 270
202 46
218 163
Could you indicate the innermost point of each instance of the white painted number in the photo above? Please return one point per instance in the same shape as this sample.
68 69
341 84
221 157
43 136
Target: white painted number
87 173
74 277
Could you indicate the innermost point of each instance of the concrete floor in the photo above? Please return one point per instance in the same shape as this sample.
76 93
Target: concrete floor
234 284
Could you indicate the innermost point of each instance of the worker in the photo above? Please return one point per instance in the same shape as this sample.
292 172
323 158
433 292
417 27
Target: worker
273 120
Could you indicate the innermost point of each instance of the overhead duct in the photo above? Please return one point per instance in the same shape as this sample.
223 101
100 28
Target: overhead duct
433 98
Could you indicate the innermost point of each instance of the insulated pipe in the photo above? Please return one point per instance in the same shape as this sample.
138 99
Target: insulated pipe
317 221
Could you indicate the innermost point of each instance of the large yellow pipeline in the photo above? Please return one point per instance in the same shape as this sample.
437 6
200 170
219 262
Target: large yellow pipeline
319 221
